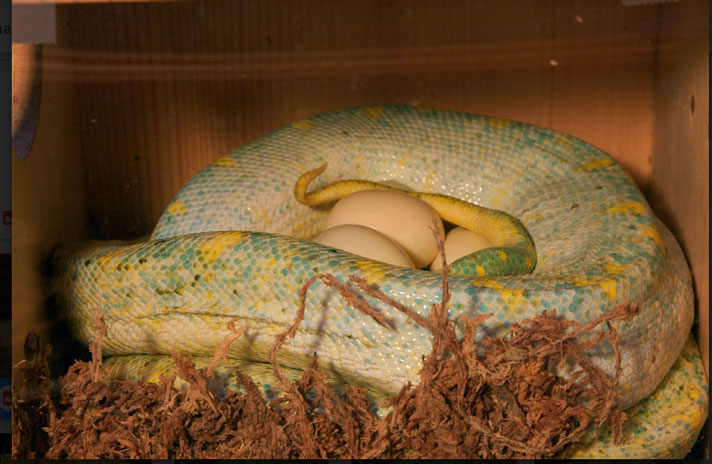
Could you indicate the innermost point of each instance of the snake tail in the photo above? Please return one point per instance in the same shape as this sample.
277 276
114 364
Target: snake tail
513 252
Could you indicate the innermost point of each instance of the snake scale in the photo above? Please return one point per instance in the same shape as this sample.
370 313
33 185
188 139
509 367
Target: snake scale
233 244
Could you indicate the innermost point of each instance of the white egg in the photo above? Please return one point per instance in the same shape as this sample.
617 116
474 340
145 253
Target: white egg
406 220
366 242
459 242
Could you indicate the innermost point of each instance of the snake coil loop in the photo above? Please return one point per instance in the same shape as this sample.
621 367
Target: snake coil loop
233 244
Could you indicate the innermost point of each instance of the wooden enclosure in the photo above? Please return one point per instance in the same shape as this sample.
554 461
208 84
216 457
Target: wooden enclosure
138 97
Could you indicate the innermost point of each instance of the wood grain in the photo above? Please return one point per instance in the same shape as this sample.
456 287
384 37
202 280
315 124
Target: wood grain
165 88
49 206
680 177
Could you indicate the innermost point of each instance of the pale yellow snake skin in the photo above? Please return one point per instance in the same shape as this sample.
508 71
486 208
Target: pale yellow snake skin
233 245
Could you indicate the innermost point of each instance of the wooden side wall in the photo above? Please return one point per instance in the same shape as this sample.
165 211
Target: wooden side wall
679 186
49 204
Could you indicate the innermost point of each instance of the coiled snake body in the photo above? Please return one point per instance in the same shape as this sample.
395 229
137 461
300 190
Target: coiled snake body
233 244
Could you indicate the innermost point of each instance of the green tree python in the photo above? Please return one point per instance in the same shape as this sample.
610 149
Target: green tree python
234 245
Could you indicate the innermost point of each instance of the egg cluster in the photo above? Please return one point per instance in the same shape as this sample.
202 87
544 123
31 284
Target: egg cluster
395 228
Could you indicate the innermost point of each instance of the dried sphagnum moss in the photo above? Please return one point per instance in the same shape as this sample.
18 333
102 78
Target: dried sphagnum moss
505 402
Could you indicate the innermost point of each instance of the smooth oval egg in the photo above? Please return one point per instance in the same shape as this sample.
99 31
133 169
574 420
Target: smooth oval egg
459 242
366 242
406 220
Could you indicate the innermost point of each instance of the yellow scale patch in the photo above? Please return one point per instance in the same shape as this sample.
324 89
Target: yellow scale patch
211 249
304 124
374 112
514 298
650 231
499 123
225 162
596 164
105 259
176 208
563 139
633 207
371 270
614 268
489 283
608 285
